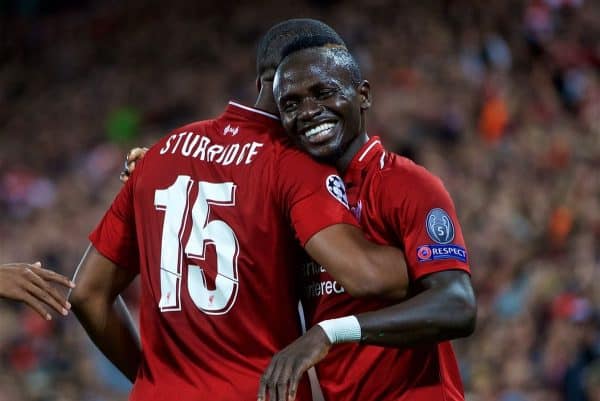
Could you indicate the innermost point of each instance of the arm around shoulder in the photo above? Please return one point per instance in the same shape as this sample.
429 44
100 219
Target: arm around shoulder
362 267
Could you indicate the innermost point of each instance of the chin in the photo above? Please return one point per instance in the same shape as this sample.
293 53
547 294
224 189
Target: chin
327 154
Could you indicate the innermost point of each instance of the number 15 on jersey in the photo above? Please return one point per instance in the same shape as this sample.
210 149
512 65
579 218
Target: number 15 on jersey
176 203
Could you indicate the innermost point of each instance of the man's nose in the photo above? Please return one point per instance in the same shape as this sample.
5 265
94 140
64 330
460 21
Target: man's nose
309 108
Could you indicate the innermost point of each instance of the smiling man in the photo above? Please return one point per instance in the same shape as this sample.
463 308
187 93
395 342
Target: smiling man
373 349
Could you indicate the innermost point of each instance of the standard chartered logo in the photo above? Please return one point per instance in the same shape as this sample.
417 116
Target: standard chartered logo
318 282
311 269
320 288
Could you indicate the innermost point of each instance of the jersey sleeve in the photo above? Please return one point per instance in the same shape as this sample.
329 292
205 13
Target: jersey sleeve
420 211
115 236
312 194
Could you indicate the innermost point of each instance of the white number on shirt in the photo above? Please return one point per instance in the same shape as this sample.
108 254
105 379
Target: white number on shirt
175 202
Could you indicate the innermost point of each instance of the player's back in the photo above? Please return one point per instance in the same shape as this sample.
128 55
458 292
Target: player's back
216 251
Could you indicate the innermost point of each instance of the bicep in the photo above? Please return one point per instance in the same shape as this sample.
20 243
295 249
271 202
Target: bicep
363 268
336 244
455 283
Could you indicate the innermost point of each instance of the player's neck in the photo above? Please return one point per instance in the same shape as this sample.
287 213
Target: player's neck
357 143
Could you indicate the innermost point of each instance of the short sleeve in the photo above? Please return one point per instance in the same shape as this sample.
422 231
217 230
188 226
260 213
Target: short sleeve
420 211
115 236
313 195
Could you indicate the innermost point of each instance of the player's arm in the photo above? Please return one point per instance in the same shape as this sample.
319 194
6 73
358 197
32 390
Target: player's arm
362 267
444 309
32 285
103 314
443 306
314 198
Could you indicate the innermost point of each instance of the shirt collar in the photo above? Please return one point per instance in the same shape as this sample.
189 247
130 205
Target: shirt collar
362 159
252 113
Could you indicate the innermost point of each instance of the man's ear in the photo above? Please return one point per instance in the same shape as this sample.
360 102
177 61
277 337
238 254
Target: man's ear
258 85
364 91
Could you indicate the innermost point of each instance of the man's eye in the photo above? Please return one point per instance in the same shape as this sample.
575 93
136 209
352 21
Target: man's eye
325 93
290 106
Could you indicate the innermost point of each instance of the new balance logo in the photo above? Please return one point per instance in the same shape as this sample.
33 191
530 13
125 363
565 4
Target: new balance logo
231 130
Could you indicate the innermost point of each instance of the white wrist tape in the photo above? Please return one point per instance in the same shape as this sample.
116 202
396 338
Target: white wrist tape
342 330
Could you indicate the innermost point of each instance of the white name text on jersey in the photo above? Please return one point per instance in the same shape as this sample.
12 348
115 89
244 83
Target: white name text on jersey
190 144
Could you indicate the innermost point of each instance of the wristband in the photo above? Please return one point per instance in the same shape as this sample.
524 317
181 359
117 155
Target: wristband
342 330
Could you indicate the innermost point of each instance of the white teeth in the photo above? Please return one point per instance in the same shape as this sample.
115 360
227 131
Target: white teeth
319 128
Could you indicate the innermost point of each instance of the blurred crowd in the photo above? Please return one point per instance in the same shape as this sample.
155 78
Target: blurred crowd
500 99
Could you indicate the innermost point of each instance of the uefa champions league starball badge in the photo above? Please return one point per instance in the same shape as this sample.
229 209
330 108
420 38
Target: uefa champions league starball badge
337 189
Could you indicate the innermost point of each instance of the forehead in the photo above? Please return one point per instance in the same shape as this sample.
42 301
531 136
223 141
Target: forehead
311 67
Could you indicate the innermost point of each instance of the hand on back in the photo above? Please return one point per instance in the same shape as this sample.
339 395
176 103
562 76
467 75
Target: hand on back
131 159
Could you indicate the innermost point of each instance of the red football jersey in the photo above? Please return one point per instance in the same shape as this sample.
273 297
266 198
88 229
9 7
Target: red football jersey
213 218
397 203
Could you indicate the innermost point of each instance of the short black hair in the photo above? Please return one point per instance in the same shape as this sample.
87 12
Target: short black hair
341 54
280 36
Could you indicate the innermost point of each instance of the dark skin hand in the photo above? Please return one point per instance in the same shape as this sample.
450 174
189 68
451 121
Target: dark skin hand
32 285
284 372
443 309
131 159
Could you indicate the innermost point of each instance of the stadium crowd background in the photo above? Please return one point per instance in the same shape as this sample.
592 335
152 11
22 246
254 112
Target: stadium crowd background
500 99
